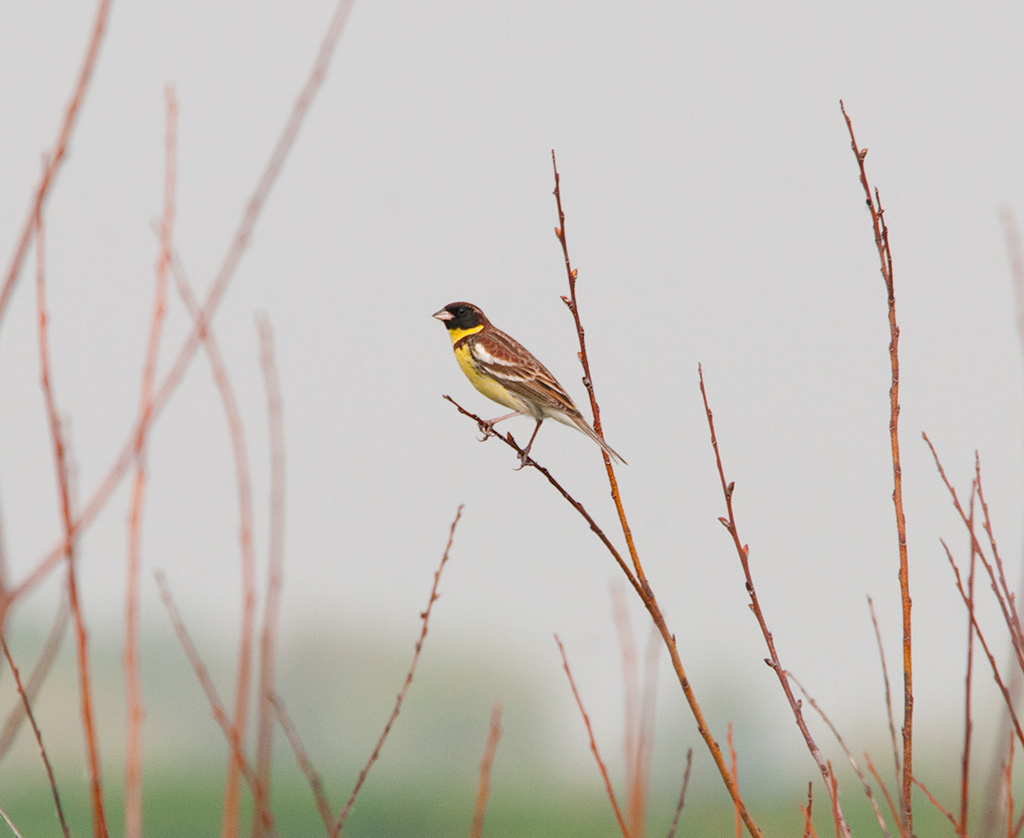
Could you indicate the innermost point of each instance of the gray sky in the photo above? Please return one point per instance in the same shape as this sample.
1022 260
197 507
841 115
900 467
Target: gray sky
715 216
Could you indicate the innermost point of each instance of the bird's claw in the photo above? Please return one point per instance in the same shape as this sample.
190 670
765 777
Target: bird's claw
486 428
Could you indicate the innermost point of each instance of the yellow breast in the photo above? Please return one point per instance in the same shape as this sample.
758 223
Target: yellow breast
486 384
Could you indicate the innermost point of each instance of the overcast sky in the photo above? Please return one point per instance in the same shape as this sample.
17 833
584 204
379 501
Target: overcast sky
715 216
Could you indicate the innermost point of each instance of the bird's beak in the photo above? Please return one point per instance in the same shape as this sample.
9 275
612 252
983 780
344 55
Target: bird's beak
443 314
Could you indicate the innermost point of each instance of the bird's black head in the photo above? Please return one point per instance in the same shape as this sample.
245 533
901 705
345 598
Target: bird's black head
461 316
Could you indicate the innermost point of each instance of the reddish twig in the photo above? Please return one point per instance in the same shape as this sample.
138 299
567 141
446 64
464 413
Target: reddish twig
885 679
849 755
808 823
219 285
682 794
734 771
316 784
275 562
39 672
220 714
881 232
1007 699
39 737
56 156
232 804
593 742
1004 596
132 684
639 712
743 551
425 618
965 758
529 461
63 483
1008 777
484 788
888 797
934 801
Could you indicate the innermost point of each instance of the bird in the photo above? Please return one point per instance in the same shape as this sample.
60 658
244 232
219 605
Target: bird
503 370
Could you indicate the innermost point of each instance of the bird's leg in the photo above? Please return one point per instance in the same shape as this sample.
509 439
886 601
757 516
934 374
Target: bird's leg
526 451
487 425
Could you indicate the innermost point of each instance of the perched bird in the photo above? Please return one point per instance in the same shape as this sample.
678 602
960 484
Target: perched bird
504 371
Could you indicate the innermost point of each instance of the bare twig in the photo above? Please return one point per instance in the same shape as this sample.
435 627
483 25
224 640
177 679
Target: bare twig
39 672
529 461
965 758
1007 699
743 551
232 803
593 743
425 617
316 784
808 823
734 771
10 823
932 799
275 563
881 232
484 788
56 156
132 682
885 679
888 797
220 714
63 484
849 755
1008 794
682 794
39 738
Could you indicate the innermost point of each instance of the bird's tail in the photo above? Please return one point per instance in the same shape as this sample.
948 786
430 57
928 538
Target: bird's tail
582 424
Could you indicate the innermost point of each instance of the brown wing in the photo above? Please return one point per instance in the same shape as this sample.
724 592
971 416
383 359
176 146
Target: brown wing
511 363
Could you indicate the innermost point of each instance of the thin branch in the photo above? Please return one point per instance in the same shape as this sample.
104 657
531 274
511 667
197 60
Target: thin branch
425 617
888 797
216 705
1007 699
39 738
275 563
1008 794
743 551
1001 592
63 483
484 788
39 672
734 771
315 783
849 755
932 799
10 823
55 158
682 794
881 232
132 680
231 806
529 461
965 758
593 743
808 823
885 679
